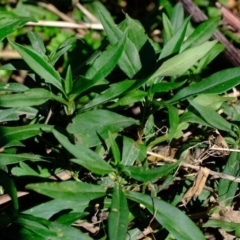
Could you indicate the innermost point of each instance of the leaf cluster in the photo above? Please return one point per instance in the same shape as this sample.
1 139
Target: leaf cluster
82 123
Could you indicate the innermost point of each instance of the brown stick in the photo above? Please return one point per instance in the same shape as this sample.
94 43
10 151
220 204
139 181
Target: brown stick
230 52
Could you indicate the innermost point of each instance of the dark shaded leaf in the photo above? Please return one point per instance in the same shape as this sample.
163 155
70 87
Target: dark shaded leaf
168 216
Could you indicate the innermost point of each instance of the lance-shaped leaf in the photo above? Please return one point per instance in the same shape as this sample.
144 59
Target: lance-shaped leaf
84 156
180 63
7 158
227 226
118 216
39 65
13 87
39 228
107 61
9 22
37 42
90 127
146 175
212 117
201 34
217 83
69 190
31 97
112 92
130 61
175 43
168 216
9 188
9 134
226 188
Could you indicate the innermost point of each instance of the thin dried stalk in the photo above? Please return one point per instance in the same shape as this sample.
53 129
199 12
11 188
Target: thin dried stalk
186 165
62 24
89 15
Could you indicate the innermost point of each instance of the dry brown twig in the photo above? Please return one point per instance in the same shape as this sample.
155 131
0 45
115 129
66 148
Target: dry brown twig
53 9
61 15
89 15
62 24
230 52
187 165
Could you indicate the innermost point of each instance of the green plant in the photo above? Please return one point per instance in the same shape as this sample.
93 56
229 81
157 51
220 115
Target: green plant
82 120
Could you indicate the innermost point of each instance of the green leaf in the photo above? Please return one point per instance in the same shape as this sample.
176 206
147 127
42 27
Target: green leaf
138 36
132 97
180 63
136 32
129 62
130 151
24 170
212 101
88 126
227 188
63 48
215 51
7 158
36 42
175 43
69 190
9 22
177 17
31 97
190 116
201 34
9 134
39 65
107 61
217 83
70 218
43 229
13 114
165 86
48 209
212 117
9 115
173 120
85 156
68 82
168 31
146 175
13 87
112 92
167 6
118 216
168 216
227 226
9 188
115 149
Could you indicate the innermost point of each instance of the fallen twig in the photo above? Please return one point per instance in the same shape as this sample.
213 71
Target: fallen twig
230 52
186 165
62 24
89 15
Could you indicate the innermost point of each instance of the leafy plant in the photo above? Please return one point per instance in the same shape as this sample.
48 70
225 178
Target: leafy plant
80 126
